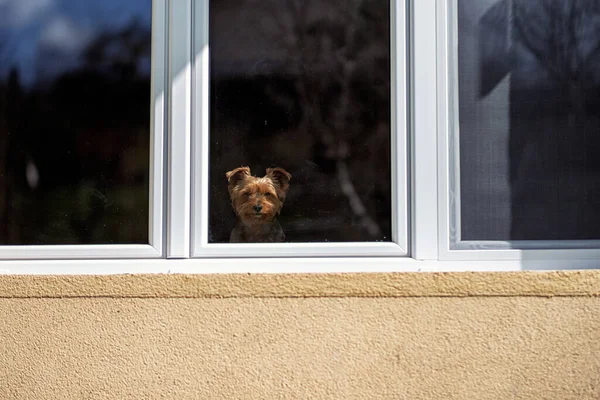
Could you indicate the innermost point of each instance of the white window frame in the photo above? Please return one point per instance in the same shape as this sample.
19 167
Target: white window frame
422 101
397 247
156 188
533 252
180 123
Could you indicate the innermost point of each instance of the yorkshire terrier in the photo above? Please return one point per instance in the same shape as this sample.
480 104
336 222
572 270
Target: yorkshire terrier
257 202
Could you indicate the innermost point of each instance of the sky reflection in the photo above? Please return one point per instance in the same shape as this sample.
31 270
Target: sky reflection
34 32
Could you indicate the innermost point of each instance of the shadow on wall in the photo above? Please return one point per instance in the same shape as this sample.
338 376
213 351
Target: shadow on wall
550 51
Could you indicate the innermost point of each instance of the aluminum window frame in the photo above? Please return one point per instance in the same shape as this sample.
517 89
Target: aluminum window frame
154 249
553 252
398 247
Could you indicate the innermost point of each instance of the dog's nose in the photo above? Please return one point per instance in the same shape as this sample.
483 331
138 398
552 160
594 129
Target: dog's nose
257 208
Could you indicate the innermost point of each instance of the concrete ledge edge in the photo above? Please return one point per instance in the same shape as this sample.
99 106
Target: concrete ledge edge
373 285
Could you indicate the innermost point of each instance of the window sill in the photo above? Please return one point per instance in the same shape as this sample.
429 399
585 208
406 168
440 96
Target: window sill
281 266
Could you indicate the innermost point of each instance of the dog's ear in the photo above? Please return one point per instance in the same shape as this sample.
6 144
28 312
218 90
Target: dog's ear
281 179
236 175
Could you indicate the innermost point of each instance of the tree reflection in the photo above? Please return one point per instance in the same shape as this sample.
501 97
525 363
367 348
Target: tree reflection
84 131
308 89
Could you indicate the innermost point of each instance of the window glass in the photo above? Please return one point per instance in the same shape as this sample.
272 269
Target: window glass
529 119
303 85
74 121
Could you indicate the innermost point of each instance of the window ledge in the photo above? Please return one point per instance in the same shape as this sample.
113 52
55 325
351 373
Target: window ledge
283 266
226 285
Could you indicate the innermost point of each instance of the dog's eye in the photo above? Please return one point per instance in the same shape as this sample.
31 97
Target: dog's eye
267 194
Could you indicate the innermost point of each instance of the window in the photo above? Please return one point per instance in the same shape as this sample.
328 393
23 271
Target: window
79 140
521 128
527 148
288 84
306 86
419 135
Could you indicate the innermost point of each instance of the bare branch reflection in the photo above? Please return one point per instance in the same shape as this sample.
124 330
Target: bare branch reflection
312 93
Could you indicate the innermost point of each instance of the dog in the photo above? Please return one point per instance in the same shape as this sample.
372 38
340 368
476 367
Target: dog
257 202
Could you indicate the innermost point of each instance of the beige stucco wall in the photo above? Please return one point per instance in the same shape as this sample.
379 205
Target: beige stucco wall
380 336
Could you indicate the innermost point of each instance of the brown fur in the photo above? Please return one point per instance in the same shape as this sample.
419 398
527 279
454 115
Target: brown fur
257 202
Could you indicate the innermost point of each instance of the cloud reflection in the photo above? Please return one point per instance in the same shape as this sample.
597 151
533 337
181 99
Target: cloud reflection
18 13
63 34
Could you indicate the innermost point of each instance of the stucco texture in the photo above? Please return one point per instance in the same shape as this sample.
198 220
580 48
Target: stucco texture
379 336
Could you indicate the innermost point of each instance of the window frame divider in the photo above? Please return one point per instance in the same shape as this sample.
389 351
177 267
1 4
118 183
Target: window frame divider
424 157
179 134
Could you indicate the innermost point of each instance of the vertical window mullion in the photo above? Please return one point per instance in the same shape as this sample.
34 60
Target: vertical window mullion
157 139
399 124
200 138
179 148
424 131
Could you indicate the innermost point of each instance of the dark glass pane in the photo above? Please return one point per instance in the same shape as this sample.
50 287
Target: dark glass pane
304 85
74 121
529 90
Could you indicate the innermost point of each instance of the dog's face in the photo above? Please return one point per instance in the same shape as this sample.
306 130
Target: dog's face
257 200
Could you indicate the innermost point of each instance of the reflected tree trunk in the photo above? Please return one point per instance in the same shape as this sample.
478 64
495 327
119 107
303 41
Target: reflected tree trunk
322 47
